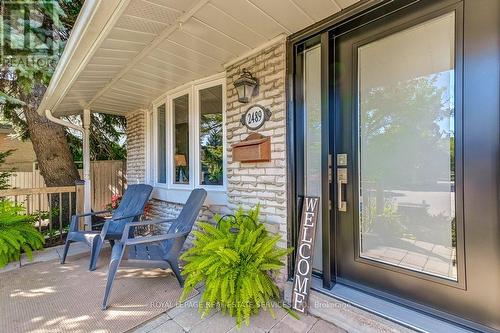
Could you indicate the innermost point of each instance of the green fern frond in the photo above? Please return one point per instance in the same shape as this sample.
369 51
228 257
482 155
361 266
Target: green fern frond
17 233
236 268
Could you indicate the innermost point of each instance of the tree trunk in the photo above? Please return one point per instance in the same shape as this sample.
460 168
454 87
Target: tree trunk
54 157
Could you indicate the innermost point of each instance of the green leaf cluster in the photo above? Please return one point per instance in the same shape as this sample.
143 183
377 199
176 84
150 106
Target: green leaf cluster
24 75
212 147
17 233
235 262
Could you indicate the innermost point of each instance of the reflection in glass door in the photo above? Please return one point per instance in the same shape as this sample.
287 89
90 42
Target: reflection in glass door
406 148
409 159
312 139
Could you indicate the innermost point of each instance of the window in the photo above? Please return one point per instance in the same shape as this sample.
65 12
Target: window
161 145
211 148
150 175
180 107
189 137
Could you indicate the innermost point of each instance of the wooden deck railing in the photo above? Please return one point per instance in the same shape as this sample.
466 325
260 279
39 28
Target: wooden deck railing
62 203
107 179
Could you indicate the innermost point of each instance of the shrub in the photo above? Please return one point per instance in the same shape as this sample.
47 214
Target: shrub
234 261
17 233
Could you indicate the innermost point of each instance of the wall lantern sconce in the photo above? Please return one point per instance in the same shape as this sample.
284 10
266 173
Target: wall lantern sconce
245 86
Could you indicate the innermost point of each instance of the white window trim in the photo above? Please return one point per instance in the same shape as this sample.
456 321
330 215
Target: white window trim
197 88
149 144
179 192
154 150
171 143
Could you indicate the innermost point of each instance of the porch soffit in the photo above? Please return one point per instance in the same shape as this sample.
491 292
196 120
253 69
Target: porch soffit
123 54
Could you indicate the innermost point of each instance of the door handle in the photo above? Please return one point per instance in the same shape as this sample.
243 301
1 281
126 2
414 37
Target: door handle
341 182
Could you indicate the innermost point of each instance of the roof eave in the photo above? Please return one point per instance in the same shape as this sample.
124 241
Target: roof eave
94 22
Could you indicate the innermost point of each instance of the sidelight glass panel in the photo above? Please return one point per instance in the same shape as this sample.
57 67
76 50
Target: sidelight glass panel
161 145
406 123
312 139
211 148
180 107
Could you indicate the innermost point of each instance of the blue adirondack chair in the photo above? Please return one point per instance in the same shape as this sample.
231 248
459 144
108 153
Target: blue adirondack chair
130 209
160 251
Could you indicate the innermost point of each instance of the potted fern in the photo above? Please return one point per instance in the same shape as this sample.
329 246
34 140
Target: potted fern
17 233
235 262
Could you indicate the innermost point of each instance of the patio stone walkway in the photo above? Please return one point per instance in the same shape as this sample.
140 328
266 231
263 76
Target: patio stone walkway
53 253
170 316
186 318
47 297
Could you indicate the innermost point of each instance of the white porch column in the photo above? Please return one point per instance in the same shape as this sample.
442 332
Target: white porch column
87 203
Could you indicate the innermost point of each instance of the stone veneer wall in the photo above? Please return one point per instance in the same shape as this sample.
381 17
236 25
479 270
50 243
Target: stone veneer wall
260 183
136 147
168 210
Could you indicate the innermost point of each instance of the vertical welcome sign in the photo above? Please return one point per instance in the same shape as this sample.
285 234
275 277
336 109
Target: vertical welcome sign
305 250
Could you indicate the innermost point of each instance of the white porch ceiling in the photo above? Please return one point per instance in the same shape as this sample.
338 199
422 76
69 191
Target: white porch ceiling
143 48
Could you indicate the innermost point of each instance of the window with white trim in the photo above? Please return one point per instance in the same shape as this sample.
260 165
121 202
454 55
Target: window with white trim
189 137
150 174
180 143
211 162
161 144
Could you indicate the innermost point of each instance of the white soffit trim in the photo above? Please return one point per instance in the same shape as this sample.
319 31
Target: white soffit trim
277 39
205 46
94 22
187 85
153 45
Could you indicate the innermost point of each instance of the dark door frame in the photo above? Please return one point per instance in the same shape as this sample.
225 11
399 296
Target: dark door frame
430 13
319 33
298 130
482 158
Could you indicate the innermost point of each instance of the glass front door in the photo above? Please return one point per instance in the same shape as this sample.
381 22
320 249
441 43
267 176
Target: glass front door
406 145
395 127
405 225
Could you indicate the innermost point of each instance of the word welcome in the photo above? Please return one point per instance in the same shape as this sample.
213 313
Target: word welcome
305 250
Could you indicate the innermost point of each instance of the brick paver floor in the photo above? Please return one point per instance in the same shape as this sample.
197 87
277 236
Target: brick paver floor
186 318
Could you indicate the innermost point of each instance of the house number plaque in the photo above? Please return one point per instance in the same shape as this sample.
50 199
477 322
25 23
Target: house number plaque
255 117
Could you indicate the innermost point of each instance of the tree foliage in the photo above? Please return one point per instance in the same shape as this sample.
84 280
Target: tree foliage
106 138
235 262
24 68
407 147
28 69
410 118
211 147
